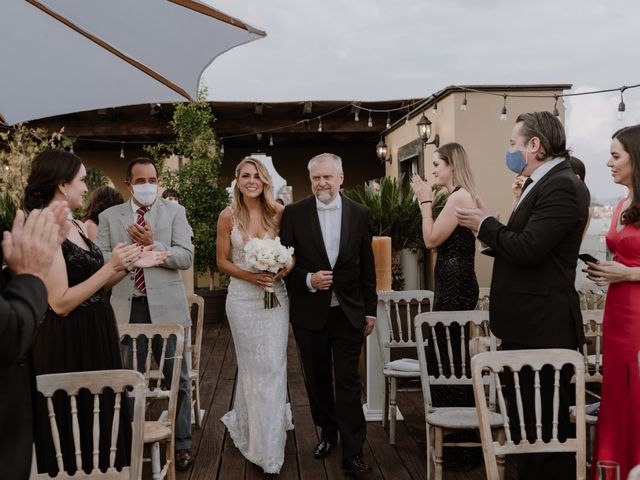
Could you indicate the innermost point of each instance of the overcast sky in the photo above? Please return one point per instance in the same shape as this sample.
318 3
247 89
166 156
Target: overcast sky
381 49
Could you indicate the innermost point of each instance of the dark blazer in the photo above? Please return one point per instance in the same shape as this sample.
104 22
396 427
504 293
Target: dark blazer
533 297
23 304
354 274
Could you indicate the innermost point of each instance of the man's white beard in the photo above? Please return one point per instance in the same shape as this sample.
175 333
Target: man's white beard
324 196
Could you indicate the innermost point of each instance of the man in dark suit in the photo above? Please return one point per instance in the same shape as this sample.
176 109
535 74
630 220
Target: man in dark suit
332 295
28 251
534 303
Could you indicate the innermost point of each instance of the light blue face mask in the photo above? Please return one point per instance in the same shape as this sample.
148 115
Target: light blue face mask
515 161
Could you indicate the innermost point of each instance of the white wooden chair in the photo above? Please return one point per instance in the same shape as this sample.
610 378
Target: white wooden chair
140 338
490 364
394 330
95 382
484 294
452 368
193 348
634 474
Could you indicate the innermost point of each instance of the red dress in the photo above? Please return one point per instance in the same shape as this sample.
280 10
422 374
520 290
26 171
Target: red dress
618 427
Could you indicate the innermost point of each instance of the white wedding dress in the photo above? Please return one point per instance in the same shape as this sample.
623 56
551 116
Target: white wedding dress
261 415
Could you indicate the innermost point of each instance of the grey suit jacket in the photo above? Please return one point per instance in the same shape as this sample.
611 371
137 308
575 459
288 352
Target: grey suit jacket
165 290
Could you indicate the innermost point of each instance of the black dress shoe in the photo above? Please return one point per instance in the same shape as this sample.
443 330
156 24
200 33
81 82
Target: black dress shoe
355 464
323 448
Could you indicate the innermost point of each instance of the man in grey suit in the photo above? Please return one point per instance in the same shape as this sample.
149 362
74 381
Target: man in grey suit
153 295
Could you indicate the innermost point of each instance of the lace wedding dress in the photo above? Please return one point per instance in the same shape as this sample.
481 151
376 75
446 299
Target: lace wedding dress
261 415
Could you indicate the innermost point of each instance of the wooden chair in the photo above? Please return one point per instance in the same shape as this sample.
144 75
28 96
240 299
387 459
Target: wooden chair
452 368
484 294
140 338
394 331
193 349
511 363
96 382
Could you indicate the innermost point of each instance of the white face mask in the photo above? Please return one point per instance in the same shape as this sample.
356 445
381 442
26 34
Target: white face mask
146 193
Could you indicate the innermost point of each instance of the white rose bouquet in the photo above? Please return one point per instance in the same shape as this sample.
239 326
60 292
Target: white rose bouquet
267 255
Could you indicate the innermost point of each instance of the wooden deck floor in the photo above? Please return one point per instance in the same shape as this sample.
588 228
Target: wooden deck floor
217 458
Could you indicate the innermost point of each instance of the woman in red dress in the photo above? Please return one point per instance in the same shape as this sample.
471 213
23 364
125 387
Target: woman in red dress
618 425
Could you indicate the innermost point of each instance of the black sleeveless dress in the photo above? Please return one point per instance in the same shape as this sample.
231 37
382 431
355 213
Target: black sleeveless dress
86 339
456 288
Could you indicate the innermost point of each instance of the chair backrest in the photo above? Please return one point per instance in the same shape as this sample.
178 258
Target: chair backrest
634 474
442 340
193 346
592 321
140 338
510 363
120 382
591 299
394 325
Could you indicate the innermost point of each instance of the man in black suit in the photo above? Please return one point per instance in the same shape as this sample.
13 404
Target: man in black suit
332 295
534 303
28 251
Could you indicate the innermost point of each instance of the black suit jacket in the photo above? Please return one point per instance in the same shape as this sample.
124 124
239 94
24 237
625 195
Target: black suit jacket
354 274
23 304
533 297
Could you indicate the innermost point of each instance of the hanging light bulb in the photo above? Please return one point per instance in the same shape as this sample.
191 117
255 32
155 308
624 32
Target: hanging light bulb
271 140
319 124
356 116
621 105
503 113
388 120
406 119
370 122
71 149
221 148
555 107
121 149
463 106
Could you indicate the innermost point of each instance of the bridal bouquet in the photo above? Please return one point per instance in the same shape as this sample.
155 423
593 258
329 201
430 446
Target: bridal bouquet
267 255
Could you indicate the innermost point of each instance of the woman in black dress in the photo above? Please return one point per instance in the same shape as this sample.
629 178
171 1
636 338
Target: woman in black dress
79 330
456 286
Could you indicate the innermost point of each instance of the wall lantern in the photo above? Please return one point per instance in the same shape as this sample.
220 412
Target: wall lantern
424 130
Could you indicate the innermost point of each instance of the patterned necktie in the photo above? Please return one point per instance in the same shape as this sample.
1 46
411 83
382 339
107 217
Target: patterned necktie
139 278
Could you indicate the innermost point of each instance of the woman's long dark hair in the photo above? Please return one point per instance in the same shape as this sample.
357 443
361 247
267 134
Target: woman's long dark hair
629 137
101 199
49 169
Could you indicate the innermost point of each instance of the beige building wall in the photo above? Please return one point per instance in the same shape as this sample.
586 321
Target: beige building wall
485 138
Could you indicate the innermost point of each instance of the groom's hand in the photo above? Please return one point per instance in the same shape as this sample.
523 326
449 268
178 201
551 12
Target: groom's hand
322 279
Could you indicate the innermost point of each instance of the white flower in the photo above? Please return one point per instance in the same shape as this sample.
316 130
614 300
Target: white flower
267 255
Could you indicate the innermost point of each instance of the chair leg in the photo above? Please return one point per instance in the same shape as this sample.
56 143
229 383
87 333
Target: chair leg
171 457
430 465
155 461
392 410
439 434
500 459
198 412
385 406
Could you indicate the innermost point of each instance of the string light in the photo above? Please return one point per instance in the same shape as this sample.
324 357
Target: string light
71 149
271 140
503 113
221 148
388 125
406 119
356 116
555 107
319 124
621 106
121 149
370 122
435 107
463 106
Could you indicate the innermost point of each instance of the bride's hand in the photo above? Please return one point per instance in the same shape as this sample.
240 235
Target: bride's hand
262 279
283 272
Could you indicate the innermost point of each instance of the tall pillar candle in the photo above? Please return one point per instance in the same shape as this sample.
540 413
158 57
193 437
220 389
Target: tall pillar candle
382 255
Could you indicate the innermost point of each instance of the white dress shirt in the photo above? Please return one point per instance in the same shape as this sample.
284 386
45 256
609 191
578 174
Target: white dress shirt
330 217
537 174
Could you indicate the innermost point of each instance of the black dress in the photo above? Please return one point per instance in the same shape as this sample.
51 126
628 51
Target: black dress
86 339
456 288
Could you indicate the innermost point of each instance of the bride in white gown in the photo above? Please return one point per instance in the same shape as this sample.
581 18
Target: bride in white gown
261 415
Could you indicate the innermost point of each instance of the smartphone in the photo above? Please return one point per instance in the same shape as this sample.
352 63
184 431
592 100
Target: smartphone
585 257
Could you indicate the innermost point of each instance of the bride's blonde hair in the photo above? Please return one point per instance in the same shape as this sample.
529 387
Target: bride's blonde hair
269 208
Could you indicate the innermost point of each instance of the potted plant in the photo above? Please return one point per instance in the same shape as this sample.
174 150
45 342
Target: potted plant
396 214
201 193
